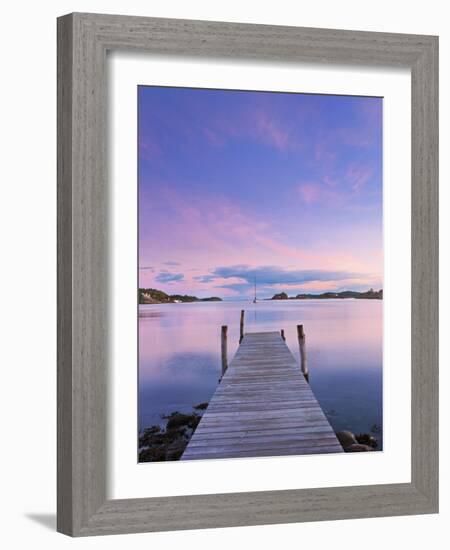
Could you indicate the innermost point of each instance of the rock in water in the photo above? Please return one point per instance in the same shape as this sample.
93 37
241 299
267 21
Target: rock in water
201 406
346 439
367 439
357 448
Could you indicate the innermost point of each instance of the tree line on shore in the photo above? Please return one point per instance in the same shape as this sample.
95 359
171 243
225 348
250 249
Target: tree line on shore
154 296
368 295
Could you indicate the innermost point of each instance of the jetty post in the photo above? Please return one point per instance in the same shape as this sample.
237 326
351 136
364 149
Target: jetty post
241 336
224 349
301 344
282 334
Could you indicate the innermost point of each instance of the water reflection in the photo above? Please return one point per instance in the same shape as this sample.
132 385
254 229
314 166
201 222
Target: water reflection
150 313
179 351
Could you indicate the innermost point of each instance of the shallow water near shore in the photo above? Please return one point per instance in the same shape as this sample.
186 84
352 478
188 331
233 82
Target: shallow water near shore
180 363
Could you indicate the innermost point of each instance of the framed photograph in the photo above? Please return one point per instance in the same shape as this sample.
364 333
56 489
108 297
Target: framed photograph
247 274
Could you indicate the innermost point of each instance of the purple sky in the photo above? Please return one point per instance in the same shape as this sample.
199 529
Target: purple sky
283 187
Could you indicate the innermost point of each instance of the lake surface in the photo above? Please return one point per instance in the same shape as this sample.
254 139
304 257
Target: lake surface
180 364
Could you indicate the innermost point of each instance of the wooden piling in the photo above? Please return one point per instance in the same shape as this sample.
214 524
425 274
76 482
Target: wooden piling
224 349
282 334
301 343
241 336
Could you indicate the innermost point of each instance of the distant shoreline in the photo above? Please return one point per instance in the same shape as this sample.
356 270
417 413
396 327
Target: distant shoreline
345 294
154 296
149 296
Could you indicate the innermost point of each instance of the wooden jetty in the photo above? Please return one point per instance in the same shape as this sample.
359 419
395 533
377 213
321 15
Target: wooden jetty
263 406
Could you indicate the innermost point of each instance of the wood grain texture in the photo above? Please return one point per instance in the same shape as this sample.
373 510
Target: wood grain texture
425 272
262 390
64 298
82 274
83 40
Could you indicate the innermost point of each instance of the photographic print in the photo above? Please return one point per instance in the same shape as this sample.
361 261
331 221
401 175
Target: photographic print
260 285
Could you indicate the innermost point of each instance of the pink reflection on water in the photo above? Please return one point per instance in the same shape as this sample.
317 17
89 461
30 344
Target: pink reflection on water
350 330
180 365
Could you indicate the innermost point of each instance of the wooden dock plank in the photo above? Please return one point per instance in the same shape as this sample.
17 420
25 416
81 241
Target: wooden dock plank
262 407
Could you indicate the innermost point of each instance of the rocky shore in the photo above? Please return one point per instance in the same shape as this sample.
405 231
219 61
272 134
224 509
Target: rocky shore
352 443
158 444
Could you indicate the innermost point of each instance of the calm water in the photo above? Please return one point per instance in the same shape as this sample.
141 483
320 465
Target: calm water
179 346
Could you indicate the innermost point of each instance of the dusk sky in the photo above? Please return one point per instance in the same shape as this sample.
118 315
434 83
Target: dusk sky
284 188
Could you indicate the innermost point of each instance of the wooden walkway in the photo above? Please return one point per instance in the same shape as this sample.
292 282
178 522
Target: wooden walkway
262 407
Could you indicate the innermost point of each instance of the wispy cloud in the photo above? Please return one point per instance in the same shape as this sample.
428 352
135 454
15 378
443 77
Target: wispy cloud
310 192
257 124
337 189
287 181
214 137
272 132
358 176
167 277
149 148
240 279
212 227
275 275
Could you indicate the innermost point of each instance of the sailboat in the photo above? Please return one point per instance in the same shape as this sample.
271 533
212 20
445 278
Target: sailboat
254 299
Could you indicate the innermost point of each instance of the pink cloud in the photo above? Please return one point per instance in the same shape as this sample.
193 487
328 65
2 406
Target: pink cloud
214 138
358 176
258 124
205 232
355 137
309 192
272 132
331 182
312 192
338 191
320 286
148 148
322 152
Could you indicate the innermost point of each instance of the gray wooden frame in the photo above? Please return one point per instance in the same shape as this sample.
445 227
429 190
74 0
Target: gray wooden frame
83 41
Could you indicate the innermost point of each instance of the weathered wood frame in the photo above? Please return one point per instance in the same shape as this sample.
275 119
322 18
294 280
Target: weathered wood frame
83 41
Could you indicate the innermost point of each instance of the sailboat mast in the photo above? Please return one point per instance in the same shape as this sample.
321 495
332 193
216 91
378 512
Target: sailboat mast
254 301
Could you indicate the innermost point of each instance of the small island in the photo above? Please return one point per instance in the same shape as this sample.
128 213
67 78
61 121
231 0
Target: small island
154 296
368 295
